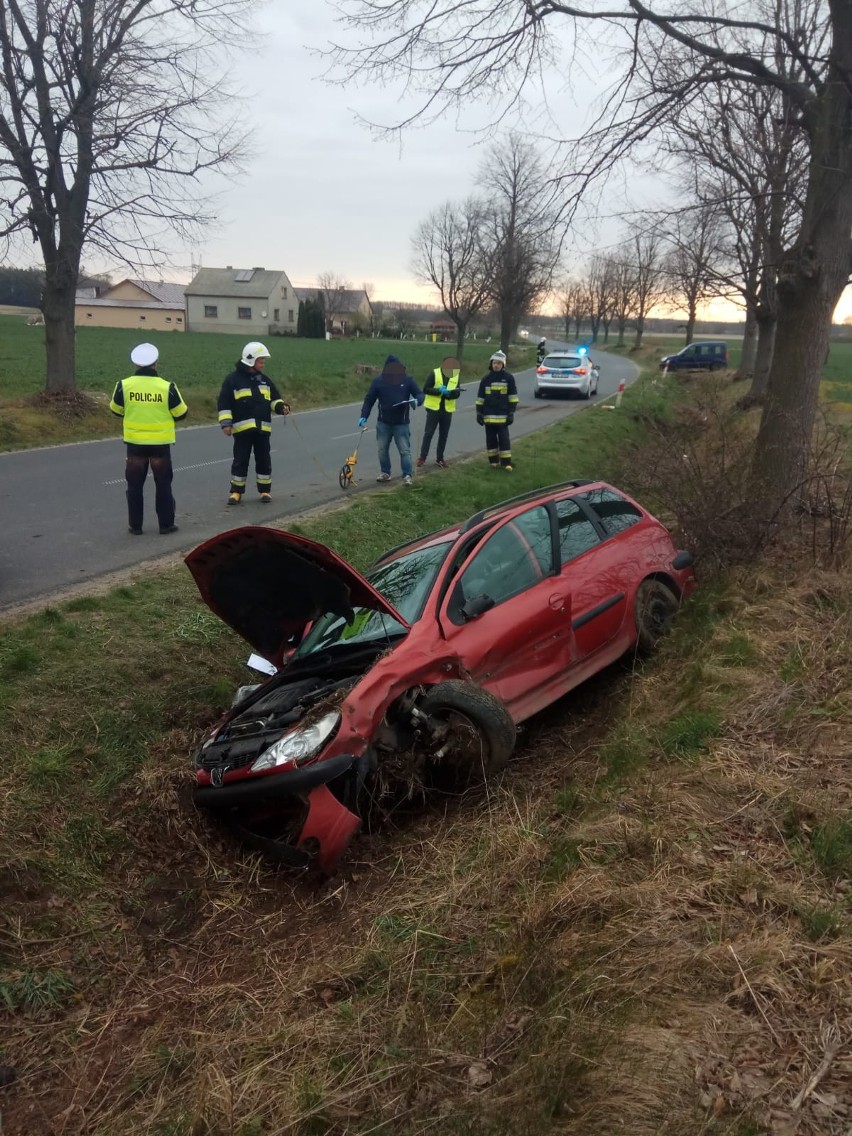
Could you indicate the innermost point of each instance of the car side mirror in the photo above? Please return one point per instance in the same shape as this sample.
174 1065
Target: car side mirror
476 606
683 559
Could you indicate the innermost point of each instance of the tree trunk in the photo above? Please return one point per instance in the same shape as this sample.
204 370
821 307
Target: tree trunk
622 327
58 309
507 331
766 327
691 317
749 351
640 331
461 328
810 283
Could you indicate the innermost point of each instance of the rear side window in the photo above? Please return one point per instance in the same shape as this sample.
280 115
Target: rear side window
615 513
577 534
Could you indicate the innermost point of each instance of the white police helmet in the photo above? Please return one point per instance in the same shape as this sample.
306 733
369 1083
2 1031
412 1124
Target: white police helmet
252 352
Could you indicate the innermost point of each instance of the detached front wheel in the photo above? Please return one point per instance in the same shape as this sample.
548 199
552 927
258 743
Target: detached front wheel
656 607
470 733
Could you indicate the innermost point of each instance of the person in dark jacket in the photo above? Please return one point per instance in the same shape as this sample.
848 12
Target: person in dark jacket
397 393
496 402
149 406
246 402
441 390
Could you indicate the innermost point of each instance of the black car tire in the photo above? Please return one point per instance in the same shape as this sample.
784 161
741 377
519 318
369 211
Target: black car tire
655 609
486 729
539 394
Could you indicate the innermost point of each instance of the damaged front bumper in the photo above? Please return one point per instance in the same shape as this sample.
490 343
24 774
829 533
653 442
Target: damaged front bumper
328 821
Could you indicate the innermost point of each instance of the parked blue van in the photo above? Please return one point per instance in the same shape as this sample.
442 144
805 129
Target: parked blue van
703 356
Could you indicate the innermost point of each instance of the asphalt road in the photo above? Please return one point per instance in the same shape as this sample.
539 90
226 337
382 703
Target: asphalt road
63 509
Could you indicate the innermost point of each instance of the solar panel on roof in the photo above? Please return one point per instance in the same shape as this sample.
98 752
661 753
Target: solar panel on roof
244 275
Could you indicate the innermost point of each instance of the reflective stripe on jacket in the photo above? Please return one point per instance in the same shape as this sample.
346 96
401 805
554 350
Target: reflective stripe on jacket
433 400
497 397
246 401
149 406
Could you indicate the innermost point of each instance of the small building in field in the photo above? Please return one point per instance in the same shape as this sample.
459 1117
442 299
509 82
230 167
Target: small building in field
445 331
147 304
254 302
347 310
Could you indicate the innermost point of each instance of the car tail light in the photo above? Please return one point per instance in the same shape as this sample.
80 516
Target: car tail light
579 371
541 370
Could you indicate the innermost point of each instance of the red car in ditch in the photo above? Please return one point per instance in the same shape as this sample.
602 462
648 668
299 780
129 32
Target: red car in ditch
418 671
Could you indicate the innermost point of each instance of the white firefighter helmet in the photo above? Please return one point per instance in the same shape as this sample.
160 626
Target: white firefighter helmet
252 352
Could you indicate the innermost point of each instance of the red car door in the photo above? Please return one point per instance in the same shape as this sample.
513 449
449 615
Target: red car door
520 646
593 575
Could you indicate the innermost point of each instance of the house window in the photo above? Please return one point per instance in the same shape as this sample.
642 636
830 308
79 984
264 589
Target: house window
142 319
180 319
289 315
168 319
88 315
244 313
276 316
283 292
211 311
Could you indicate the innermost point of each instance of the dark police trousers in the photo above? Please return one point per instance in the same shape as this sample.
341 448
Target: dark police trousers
442 419
244 443
159 458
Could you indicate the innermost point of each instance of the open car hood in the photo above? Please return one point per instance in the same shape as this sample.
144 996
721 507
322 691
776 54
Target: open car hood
269 585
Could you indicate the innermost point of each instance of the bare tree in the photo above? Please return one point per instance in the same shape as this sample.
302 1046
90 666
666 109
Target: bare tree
649 279
572 306
749 141
369 288
454 53
448 254
519 239
624 300
334 288
692 261
105 109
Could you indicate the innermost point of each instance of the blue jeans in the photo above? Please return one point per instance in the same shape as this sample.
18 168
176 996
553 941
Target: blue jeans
402 436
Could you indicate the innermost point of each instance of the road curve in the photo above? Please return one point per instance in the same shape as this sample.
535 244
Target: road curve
63 510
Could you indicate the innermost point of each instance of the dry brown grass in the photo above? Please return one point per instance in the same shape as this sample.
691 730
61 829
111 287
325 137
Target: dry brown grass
587 948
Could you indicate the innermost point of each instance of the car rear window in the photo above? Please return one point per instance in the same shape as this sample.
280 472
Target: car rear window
615 513
563 362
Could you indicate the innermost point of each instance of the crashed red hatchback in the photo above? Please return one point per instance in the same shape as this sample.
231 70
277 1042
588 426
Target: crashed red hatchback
420 670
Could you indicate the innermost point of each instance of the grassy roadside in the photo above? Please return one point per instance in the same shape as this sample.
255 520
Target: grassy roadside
645 926
310 373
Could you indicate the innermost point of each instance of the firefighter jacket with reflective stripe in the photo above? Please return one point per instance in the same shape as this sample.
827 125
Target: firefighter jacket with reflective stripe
432 389
497 397
149 407
247 399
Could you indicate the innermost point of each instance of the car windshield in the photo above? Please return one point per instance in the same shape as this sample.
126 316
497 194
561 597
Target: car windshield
563 362
404 582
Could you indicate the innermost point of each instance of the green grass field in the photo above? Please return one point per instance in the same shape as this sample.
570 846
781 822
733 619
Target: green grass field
308 372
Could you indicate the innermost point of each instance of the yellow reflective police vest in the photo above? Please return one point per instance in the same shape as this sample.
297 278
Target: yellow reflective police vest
433 401
148 418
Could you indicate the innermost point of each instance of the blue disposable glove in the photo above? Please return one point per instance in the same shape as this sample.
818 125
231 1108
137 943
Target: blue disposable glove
362 422
444 390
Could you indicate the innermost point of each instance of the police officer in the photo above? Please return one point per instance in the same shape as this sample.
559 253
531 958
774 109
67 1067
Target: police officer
149 406
246 402
441 390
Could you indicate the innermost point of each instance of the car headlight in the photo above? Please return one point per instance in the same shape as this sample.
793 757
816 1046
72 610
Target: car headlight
300 744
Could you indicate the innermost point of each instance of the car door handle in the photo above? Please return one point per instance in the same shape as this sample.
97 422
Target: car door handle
557 602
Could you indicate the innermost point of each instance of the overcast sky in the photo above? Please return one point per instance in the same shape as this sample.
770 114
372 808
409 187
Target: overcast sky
322 193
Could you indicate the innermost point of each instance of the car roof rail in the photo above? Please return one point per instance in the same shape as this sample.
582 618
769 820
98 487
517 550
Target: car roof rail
530 495
405 543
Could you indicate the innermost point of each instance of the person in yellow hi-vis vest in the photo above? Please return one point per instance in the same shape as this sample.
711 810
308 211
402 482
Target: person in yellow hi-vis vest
441 390
149 406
